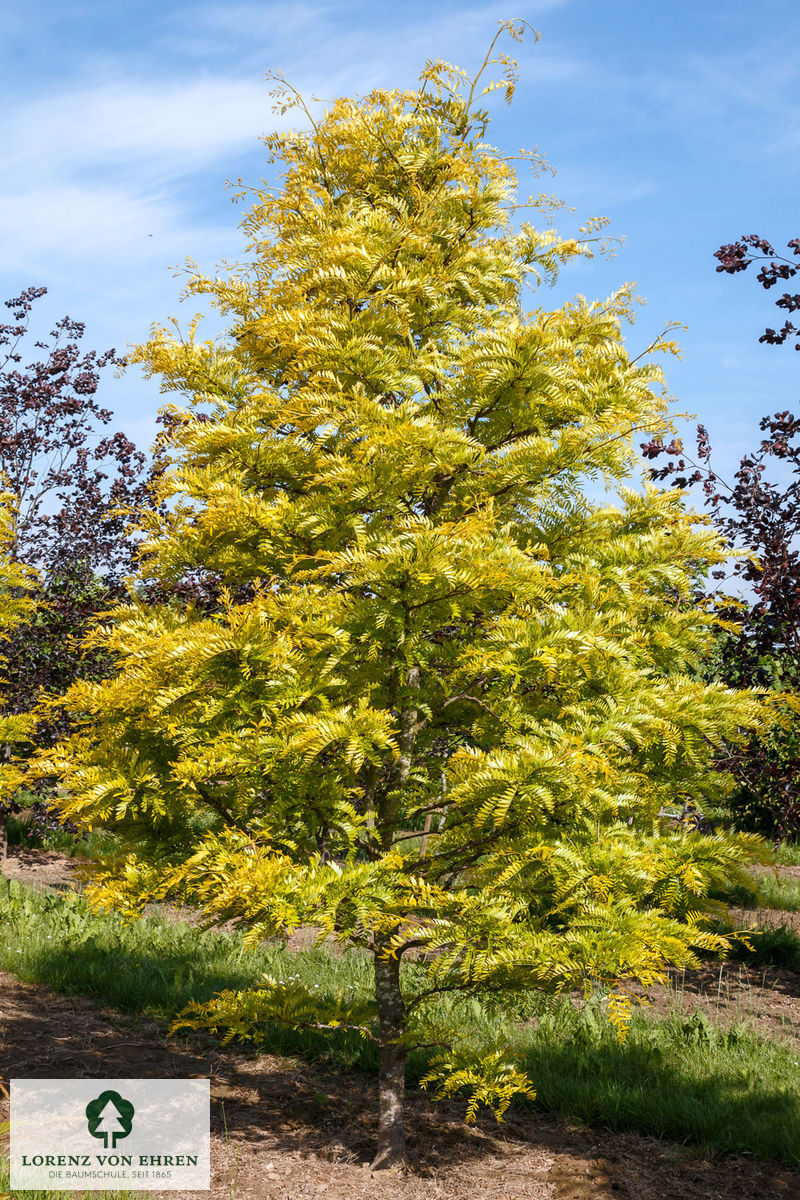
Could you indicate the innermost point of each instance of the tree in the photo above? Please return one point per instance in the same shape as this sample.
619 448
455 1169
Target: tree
16 583
384 462
760 517
73 487
759 640
738 256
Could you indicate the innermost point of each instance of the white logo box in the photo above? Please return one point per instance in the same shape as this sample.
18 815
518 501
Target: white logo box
110 1134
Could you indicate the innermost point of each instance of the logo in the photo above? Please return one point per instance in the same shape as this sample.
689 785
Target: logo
110 1116
109 1135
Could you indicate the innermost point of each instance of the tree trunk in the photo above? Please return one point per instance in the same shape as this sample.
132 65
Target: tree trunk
391 1010
3 840
392 1074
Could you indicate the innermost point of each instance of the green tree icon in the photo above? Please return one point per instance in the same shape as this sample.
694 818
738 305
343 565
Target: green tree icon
109 1116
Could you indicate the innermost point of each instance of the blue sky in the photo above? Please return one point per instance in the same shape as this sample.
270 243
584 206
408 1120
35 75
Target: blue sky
680 122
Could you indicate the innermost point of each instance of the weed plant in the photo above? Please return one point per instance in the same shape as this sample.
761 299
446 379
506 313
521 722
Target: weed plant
769 890
778 946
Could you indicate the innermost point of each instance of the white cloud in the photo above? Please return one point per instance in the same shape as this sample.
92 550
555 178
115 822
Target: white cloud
753 93
76 220
105 166
172 127
599 189
101 174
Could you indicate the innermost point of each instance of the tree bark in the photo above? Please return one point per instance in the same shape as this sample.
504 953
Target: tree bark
391 1150
388 995
388 802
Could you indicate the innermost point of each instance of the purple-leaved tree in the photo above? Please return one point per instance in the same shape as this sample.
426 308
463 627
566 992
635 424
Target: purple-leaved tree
758 511
774 267
72 481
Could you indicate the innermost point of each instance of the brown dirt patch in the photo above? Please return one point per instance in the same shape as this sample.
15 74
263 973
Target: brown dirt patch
788 872
42 868
765 998
765 918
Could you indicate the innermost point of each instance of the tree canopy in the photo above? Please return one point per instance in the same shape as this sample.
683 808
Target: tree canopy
429 628
758 514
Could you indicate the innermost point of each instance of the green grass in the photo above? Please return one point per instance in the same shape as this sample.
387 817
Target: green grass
679 1077
773 891
58 839
23 832
787 854
151 966
5 1186
97 843
779 893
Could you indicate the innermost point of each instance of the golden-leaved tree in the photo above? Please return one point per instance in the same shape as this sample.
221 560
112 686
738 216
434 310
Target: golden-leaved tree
423 621
16 604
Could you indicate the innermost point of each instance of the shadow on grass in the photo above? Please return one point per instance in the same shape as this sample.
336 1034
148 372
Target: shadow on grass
772 946
680 1077
269 1106
146 966
154 983
677 1078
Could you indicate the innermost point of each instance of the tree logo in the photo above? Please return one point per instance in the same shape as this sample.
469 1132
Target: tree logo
109 1116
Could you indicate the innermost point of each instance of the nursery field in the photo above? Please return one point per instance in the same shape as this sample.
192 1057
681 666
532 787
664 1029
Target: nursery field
702 1101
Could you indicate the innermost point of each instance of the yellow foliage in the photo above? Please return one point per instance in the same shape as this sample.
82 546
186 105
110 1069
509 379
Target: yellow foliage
16 603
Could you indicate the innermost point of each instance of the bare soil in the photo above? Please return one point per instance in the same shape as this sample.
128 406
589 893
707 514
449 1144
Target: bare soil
42 868
764 998
288 1130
